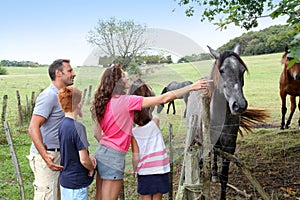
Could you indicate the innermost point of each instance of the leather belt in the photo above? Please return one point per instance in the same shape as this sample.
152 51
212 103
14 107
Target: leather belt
55 149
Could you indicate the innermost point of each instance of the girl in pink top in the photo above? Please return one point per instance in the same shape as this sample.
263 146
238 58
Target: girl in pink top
113 112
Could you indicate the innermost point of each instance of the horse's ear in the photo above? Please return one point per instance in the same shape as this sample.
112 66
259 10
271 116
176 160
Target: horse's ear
237 49
164 90
286 49
213 52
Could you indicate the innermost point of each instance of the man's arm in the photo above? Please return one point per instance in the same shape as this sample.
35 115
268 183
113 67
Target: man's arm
36 136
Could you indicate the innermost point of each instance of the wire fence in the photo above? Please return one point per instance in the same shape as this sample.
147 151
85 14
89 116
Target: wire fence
272 155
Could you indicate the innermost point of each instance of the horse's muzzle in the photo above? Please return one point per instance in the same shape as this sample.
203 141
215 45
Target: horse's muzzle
239 108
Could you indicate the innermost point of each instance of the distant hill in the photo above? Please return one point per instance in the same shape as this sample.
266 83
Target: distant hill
269 40
9 63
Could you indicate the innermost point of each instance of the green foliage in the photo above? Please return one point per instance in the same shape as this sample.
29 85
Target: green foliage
3 71
242 13
246 13
151 59
270 40
290 8
133 68
9 63
117 38
167 60
194 58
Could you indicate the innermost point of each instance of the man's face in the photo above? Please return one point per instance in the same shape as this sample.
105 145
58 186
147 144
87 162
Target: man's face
68 74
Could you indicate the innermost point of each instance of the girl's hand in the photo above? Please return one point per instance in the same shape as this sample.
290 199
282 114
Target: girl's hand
201 84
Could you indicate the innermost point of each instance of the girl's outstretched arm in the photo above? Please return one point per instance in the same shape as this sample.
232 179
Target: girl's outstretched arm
174 94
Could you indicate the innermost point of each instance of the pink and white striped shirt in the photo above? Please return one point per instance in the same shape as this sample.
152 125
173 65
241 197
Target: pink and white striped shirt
153 155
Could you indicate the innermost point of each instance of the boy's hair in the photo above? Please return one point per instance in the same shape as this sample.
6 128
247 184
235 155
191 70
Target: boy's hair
140 88
69 98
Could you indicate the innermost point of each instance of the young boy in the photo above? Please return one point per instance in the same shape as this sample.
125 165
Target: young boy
78 165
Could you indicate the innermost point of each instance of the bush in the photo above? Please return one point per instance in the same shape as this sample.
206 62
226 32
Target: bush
134 69
3 71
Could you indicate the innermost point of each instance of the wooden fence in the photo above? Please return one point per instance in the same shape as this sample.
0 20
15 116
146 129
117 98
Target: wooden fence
25 111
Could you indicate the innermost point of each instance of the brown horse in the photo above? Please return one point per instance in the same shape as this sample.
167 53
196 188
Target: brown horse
289 85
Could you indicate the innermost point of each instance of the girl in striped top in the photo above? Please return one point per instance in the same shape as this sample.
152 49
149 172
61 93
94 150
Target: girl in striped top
150 159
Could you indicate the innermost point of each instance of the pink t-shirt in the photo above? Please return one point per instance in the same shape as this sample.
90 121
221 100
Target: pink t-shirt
118 120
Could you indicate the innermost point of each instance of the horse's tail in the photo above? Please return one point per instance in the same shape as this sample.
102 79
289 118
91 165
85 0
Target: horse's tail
252 118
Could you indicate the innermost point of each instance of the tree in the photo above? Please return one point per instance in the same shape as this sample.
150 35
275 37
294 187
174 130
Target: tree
119 40
245 13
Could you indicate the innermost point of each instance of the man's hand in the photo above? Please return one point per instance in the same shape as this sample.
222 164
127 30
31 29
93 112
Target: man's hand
49 159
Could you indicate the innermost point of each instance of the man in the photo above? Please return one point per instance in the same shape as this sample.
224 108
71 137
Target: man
44 155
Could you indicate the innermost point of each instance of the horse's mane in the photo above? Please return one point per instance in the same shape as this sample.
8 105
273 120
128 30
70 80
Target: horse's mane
217 65
166 89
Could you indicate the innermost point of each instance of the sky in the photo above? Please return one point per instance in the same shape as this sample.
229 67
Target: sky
44 30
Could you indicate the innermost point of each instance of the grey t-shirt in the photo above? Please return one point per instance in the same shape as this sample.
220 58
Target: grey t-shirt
47 106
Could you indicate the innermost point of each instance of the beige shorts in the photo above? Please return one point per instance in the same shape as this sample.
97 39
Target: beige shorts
46 181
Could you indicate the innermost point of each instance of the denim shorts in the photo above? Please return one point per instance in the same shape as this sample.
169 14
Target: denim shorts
67 193
110 163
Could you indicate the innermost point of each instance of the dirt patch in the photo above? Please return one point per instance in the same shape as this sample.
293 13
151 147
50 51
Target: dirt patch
273 157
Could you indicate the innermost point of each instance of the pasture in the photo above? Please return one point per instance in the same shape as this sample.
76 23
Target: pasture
272 155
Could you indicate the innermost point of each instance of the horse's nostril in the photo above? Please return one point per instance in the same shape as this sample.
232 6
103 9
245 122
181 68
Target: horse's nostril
297 77
235 106
239 107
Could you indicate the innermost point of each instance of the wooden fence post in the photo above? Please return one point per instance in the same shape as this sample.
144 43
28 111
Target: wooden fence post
207 147
14 160
188 141
27 107
32 103
4 106
19 108
189 183
90 93
84 96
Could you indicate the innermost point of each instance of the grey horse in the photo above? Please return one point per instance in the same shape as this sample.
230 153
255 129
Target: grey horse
173 86
227 103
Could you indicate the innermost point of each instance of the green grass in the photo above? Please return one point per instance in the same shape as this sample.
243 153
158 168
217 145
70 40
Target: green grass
261 90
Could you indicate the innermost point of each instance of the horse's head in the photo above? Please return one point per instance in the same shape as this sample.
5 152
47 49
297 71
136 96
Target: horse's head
228 75
292 67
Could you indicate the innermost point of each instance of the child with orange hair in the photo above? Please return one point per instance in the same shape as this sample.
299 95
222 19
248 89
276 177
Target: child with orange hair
78 172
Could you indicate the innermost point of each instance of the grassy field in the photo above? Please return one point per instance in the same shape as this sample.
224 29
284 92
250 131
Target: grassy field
261 90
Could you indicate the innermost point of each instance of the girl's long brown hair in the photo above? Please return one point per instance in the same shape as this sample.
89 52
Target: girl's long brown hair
142 89
111 84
